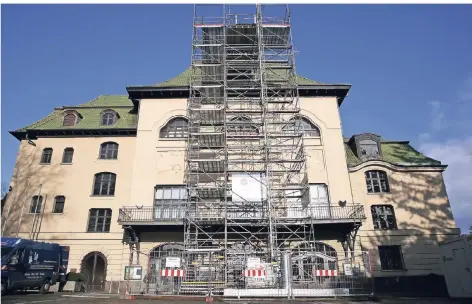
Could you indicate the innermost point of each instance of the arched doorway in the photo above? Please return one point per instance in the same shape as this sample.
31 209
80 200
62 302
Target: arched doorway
306 261
156 283
94 268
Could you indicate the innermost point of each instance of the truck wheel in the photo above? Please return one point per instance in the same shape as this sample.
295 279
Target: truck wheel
45 287
4 287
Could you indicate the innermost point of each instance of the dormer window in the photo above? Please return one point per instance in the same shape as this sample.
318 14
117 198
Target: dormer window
108 118
368 148
70 120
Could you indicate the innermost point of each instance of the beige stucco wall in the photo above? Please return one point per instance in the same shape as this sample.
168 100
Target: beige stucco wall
158 160
326 159
422 211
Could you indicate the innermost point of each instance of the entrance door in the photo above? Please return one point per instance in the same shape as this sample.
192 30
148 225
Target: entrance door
94 270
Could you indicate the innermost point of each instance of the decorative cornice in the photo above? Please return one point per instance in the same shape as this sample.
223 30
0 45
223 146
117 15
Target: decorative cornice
405 167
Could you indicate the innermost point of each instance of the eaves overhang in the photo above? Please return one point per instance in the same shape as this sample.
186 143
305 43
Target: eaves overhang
340 91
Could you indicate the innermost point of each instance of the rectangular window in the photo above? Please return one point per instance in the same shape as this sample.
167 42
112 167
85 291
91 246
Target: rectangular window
36 203
67 156
376 182
383 217
170 202
391 257
99 220
59 204
46 156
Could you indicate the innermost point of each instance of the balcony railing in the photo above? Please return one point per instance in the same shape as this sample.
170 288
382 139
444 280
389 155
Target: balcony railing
176 214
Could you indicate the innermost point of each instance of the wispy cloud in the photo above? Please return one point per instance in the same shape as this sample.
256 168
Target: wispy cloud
453 149
437 116
457 154
465 93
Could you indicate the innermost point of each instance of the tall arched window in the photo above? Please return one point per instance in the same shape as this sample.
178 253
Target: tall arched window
109 150
175 128
376 181
104 183
301 124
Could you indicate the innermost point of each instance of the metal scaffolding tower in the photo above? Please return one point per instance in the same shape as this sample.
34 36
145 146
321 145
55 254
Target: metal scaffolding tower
245 159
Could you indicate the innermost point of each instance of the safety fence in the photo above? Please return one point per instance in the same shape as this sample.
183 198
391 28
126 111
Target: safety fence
252 275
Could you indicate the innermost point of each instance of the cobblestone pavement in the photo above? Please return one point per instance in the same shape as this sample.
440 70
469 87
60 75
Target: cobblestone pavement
81 298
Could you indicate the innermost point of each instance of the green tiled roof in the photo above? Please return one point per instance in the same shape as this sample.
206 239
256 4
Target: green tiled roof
184 79
108 101
90 113
395 152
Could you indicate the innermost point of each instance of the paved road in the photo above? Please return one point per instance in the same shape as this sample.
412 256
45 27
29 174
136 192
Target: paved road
81 298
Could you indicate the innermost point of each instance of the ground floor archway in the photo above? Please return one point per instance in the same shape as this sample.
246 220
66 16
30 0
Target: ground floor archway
94 268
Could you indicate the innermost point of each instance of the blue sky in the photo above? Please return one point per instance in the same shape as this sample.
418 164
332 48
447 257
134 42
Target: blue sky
410 67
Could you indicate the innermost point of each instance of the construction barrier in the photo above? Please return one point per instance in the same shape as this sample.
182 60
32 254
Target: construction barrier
290 275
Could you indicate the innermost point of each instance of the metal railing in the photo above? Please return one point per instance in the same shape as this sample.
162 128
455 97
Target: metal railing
176 213
152 215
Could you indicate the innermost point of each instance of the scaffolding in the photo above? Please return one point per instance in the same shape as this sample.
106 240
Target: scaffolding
245 160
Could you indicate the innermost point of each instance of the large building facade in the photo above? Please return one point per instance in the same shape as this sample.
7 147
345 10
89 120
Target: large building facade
124 179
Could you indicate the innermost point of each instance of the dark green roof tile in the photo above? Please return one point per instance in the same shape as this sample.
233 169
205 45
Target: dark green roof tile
395 152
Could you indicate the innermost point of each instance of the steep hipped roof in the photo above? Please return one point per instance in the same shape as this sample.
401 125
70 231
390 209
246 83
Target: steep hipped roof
183 79
394 152
90 115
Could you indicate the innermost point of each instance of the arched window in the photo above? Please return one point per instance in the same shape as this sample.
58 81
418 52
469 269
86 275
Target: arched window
59 202
109 150
242 126
301 124
69 120
36 203
104 184
383 217
46 156
175 128
68 155
376 181
108 118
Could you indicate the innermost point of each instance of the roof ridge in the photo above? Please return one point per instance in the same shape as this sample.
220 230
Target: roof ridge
168 80
306 78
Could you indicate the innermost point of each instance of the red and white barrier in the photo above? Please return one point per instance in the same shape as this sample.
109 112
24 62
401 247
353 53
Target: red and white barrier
326 273
255 273
172 272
